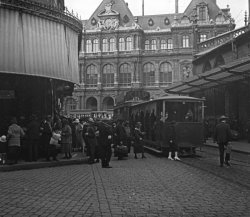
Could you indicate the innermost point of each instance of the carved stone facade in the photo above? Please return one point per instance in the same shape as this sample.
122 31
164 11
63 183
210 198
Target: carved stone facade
121 52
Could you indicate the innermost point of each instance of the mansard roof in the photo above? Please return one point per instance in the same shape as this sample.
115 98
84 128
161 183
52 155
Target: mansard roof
213 9
118 10
162 21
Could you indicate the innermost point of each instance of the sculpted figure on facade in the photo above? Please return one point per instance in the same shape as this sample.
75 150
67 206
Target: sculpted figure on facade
187 71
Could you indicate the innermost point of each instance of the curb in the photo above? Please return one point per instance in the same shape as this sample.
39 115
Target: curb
234 150
39 165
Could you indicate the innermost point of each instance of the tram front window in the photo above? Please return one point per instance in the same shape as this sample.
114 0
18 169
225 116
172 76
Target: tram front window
183 111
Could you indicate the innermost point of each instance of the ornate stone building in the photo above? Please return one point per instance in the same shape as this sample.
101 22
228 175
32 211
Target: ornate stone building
122 53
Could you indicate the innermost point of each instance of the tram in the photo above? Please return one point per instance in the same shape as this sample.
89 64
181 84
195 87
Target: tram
182 113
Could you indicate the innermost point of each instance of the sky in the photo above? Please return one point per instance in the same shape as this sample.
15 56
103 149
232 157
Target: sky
85 8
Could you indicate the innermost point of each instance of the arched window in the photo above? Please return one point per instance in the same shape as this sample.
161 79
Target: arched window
207 66
163 44
148 74
170 44
108 76
125 75
105 47
185 20
185 41
108 103
129 43
95 45
88 46
91 76
91 104
220 19
122 46
166 74
153 44
202 13
147 45
219 61
112 44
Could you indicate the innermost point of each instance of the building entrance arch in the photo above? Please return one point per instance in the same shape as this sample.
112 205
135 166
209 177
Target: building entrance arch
108 103
91 104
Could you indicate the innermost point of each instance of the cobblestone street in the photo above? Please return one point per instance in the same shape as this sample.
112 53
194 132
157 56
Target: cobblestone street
145 187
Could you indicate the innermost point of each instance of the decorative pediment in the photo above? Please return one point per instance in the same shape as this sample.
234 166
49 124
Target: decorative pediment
108 11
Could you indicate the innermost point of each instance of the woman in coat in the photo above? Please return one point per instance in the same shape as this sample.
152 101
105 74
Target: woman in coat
15 132
66 139
139 142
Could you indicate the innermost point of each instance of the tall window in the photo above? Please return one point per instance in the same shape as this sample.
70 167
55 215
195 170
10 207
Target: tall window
95 45
128 43
185 41
149 74
170 44
202 14
121 44
153 44
147 45
91 76
203 37
105 47
88 46
163 44
108 76
112 44
166 74
125 75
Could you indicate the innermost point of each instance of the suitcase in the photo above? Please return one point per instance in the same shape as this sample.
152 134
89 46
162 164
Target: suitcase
121 150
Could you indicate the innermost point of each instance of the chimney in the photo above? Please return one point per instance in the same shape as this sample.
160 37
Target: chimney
143 7
177 6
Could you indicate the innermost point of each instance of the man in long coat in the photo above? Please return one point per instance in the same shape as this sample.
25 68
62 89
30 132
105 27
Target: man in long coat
222 136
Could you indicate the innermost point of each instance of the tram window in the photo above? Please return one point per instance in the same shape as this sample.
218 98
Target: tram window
182 112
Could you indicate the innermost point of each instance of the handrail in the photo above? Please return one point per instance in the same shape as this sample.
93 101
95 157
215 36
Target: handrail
222 38
45 11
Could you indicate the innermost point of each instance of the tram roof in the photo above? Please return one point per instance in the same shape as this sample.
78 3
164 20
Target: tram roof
173 98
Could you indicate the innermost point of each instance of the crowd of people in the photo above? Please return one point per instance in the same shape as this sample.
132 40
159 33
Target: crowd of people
96 139
33 139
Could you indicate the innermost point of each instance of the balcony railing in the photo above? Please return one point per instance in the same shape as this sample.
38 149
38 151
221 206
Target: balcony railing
45 11
221 39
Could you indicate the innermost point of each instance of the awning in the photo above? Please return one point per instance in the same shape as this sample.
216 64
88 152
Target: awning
222 75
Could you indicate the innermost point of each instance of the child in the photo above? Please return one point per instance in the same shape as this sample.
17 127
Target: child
54 143
3 149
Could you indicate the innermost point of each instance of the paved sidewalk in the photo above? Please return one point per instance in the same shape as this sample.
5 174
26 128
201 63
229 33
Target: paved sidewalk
238 146
77 158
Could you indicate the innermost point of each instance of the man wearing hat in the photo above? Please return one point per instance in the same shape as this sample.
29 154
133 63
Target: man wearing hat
222 136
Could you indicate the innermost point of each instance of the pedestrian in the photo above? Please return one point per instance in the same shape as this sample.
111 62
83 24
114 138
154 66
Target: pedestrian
54 144
105 135
3 149
78 135
128 138
15 132
139 142
222 136
66 139
171 141
121 148
92 140
33 136
46 133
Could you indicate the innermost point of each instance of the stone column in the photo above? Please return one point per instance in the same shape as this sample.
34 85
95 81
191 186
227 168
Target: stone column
157 74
